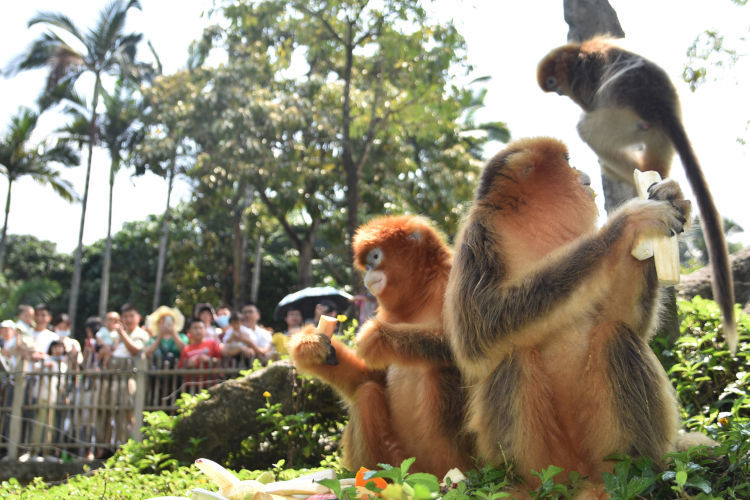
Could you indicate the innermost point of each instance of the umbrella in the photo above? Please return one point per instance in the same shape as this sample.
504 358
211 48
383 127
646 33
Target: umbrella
307 298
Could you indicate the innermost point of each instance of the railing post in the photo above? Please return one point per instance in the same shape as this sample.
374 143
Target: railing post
16 413
141 380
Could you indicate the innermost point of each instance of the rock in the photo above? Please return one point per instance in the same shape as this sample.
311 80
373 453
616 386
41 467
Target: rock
229 416
699 282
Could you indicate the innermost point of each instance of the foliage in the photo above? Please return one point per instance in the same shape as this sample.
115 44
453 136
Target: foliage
710 383
712 387
301 437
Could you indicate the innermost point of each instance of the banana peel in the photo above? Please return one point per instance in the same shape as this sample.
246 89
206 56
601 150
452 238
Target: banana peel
232 488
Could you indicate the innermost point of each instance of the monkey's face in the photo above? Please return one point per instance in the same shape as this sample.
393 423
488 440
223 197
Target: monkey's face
548 76
375 279
552 71
401 257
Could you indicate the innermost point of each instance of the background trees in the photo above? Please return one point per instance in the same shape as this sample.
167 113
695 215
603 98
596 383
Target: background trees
103 49
19 158
293 121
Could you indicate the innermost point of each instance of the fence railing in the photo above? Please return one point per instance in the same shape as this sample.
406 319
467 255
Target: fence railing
45 411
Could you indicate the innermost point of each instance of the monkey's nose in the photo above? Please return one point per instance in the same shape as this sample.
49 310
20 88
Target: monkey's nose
583 177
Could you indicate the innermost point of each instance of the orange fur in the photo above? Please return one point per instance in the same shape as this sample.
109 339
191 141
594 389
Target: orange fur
403 390
549 318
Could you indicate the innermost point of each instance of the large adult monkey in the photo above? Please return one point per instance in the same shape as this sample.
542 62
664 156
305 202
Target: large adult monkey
402 388
550 318
629 101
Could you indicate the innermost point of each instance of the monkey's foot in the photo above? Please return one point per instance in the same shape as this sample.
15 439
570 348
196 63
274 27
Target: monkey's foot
308 348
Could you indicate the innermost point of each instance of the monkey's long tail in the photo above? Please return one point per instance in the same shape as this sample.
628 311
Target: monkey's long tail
723 286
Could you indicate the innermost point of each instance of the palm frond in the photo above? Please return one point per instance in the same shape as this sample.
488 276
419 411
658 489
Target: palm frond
59 20
62 153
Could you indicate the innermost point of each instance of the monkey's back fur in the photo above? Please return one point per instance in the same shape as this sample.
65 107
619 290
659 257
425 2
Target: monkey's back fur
550 318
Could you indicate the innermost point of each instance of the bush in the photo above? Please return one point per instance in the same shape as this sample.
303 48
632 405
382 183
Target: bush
712 387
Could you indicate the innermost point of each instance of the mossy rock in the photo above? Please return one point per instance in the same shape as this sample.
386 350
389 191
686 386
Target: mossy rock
228 416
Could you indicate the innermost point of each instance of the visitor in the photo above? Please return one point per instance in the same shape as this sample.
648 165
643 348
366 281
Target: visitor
61 326
222 320
42 335
260 336
324 307
238 343
205 312
92 325
106 338
167 344
201 352
293 319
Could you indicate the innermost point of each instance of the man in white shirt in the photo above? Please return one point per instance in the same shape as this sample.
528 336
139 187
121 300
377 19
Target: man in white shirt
133 338
121 389
260 336
43 336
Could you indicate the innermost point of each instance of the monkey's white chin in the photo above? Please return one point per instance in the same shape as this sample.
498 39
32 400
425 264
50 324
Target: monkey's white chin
375 281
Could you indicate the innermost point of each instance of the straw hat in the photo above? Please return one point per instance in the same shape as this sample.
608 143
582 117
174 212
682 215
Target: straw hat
153 319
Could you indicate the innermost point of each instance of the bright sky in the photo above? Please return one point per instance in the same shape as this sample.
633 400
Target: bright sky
505 40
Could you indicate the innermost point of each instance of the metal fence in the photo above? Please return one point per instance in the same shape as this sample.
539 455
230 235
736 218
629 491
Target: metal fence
45 411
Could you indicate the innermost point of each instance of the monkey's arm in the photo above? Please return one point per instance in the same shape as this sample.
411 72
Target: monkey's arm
309 351
487 308
380 344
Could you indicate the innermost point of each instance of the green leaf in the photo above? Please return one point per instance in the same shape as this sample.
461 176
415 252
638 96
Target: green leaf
681 478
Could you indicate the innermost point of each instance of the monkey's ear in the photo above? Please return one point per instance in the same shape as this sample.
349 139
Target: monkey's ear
416 236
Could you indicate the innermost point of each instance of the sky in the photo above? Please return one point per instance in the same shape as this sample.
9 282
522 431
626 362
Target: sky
505 40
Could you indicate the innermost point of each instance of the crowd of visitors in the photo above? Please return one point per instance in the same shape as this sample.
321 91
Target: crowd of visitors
30 338
35 343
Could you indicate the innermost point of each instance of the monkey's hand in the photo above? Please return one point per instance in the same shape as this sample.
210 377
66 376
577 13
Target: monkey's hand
381 344
665 213
308 348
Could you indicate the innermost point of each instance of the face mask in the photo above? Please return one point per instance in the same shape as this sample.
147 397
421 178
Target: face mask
222 321
63 333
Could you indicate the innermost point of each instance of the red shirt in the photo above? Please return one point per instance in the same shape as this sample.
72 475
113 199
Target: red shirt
208 347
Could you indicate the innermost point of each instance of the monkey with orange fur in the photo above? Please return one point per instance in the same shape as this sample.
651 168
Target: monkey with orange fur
629 101
403 390
550 318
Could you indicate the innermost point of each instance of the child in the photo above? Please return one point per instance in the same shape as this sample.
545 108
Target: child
237 340
199 353
106 337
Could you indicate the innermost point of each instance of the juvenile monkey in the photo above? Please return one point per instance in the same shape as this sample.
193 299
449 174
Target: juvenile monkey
550 318
629 101
403 390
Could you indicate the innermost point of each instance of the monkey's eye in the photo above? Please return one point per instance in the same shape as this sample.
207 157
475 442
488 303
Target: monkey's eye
551 82
374 258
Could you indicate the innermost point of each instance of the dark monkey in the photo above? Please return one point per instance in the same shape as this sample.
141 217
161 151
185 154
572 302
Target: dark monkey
629 101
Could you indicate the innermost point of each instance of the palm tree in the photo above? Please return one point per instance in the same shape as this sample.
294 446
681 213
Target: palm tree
118 133
104 49
18 159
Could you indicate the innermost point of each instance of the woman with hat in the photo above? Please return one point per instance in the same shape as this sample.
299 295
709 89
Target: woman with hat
166 344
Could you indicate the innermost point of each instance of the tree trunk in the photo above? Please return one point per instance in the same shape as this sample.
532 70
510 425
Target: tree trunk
5 227
306 251
255 283
350 166
587 18
76 281
164 237
236 260
104 290
242 298
305 264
